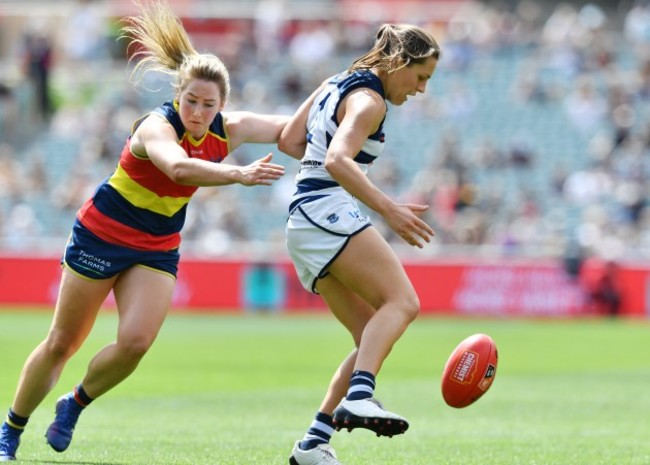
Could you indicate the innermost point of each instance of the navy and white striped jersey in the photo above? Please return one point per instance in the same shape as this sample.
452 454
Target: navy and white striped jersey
313 180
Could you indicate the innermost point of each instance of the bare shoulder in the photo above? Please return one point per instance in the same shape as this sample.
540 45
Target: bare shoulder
153 128
234 118
364 104
367 98
236 121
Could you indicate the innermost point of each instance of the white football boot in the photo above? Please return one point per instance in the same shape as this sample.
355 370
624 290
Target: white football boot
322 454
369 414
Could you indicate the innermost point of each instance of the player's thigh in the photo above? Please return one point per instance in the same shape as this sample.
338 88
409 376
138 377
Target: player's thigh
143 297
369 267
77 306
349 308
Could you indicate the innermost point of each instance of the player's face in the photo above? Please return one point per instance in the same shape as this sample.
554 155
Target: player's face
198 104
409 81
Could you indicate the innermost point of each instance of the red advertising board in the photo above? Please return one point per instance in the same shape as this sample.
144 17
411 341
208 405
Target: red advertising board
451 286
497 289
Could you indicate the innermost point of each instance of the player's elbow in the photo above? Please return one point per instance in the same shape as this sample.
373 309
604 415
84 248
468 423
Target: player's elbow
334 165
284 145
291 149
180 174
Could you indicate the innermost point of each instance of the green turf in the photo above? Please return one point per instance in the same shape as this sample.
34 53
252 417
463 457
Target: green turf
226 390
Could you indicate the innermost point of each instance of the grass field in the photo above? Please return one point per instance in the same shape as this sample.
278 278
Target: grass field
226 390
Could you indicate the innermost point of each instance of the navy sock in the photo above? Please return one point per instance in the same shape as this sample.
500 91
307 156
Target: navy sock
320 432
362 385
15 421
81 397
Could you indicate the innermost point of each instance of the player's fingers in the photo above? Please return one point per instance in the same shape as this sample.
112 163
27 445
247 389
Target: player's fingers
424 230
272 166
412 239
429 231
272 170
425 237
267 158
417 236
416 208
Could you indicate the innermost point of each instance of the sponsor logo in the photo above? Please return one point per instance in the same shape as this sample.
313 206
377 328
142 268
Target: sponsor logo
465 368
93 262
310 163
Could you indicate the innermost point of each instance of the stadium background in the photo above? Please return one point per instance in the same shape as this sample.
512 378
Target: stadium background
531 144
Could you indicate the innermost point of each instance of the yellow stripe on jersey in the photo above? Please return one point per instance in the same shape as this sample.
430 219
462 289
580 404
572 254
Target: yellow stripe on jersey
222 139
144 198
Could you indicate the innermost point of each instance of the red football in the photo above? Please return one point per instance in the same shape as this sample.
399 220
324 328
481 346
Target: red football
469 371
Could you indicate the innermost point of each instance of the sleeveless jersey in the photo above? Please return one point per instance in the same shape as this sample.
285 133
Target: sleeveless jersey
138 206
313 181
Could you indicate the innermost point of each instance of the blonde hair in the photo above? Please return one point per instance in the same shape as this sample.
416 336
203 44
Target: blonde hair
163 45
397 46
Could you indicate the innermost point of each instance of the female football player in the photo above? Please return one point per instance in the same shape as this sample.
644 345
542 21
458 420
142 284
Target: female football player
337 253
126 237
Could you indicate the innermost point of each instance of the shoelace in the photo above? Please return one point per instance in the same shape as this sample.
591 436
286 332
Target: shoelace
329 454
377 402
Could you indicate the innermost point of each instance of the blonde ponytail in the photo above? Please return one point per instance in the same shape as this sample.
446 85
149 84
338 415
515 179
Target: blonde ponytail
162 44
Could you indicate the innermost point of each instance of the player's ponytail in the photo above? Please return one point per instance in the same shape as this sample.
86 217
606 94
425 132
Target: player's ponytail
160 43
396 46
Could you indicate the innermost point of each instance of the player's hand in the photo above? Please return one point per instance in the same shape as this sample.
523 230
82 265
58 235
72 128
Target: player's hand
405 220
261 172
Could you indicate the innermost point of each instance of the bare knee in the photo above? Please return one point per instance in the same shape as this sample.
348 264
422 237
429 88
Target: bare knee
134 348
411 308
59 347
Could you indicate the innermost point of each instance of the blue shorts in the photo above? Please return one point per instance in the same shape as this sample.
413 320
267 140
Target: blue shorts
94 258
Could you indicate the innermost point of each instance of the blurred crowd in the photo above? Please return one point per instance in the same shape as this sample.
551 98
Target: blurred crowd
533 138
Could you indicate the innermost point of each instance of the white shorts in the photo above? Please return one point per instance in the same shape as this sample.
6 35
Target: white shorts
318 231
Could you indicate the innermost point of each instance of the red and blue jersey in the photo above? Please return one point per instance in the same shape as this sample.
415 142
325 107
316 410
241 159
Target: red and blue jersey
139 206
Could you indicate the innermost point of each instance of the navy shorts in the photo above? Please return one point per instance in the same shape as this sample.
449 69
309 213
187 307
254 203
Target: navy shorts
94 258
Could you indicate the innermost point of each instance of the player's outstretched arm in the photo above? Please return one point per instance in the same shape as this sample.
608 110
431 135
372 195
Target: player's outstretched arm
248 127
156 140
